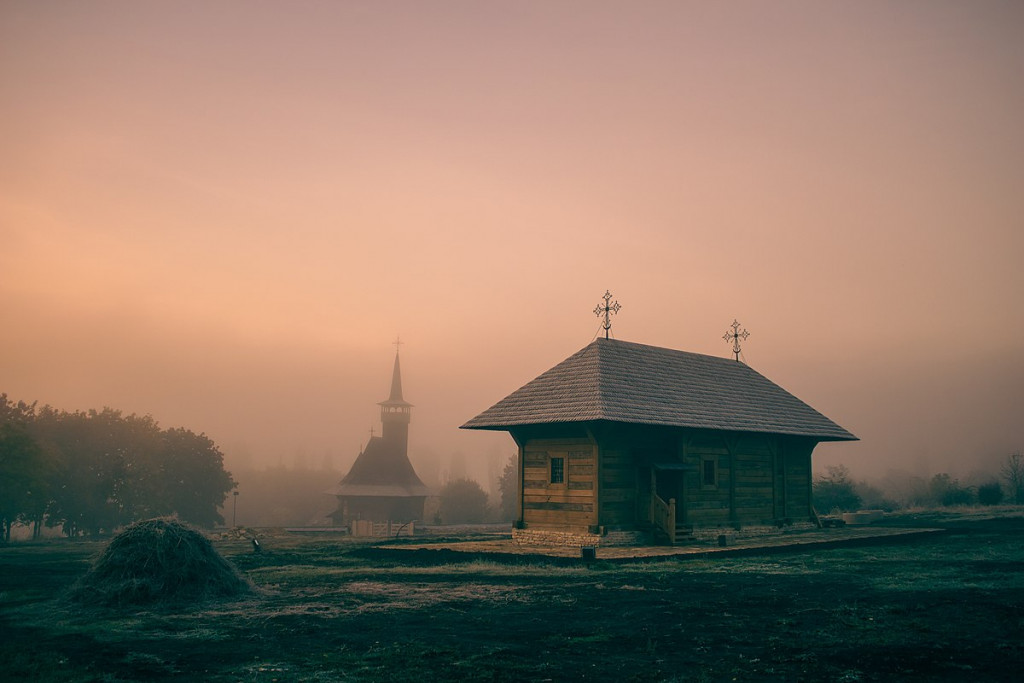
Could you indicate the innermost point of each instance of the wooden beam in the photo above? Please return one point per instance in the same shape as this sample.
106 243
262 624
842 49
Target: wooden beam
598 451
684 478
730 448
785 475
810 483
521 466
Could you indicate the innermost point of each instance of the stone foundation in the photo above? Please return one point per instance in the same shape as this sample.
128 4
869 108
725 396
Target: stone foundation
625 537
579 539
711 534
571 539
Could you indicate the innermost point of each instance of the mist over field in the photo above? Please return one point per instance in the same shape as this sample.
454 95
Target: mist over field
223 215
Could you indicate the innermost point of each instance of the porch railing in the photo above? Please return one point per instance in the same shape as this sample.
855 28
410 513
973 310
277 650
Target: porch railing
663 516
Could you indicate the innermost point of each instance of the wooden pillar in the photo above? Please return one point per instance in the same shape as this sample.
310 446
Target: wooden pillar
810 483
595 517
773 449
785 475
683 477
521 444
779 499
730 448
598 452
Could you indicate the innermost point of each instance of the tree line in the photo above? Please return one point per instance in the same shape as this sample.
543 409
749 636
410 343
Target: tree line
95 471
298 496
837 491
463 501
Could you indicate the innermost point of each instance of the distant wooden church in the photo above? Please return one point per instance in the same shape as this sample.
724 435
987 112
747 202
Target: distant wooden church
624 436
382 485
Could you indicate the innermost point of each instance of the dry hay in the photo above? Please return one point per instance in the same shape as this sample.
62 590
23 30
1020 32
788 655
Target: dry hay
158 562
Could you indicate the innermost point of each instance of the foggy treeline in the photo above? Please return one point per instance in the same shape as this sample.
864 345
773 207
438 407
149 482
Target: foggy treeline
95 471
300 496
283 496
837 491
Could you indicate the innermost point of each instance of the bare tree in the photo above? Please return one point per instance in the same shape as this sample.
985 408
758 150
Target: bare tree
1013 474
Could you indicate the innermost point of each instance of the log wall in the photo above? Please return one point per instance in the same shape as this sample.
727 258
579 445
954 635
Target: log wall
618 488
705 505
570 504
760 478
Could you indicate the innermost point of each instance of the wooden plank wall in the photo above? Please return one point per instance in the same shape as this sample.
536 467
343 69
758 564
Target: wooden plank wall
618 488
798 478
748 488
706 506
761 478
570 504
754 458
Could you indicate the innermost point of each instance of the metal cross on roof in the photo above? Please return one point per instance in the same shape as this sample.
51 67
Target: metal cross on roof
398 343
735 337
606 311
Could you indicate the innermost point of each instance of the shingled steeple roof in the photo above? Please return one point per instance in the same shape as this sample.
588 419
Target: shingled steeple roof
395 399
633 383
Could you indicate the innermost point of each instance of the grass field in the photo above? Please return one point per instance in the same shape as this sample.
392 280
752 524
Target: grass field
946 606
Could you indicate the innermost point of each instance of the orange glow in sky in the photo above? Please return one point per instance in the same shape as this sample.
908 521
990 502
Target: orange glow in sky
222 214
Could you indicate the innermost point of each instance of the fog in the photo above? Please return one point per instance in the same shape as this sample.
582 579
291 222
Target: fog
223 216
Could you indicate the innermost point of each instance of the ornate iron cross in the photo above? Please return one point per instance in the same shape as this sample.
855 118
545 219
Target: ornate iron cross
735 337
398 343
606 311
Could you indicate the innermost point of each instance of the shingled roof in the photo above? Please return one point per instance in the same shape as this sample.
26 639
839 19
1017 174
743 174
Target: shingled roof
381 470
632 383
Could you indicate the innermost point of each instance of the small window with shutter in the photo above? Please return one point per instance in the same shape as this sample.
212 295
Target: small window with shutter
557 470
708 473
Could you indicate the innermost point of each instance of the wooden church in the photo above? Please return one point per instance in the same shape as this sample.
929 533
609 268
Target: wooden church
382 485
624 436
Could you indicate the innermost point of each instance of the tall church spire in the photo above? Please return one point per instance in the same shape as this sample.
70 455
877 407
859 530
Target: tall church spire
396 381
395 412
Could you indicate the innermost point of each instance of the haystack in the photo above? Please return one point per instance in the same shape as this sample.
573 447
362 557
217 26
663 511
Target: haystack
159 562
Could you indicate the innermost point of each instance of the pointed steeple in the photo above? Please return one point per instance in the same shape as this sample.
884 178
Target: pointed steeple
382 483
396 399
396 382
396 412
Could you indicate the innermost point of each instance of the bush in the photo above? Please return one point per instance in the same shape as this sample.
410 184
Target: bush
834 491
947 492
873 498
463 502
990 493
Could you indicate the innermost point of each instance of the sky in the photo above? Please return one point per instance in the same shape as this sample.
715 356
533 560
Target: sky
224 214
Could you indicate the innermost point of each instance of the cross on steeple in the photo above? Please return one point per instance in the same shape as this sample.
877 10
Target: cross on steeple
735 336
398 342
606 311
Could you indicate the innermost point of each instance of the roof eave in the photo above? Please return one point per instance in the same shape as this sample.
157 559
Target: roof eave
507 427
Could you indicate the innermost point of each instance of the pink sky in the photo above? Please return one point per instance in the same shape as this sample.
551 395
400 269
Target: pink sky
222 214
